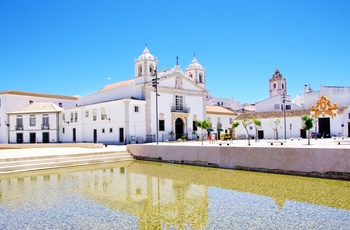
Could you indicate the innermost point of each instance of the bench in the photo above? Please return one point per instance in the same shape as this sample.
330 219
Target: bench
277 142
346 141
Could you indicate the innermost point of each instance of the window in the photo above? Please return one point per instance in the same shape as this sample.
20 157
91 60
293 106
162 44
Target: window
94 115
30 102
136 109
282 86
63 130
111 130
32 120
179 102
277 106
76 116
140 70
161 125
19 123
103 130
64 117
231 121
71 117
194 126
288 107
218 103
274 85
200 78
86 113
222 103
103 114
45 124
349 115
0 103
60 104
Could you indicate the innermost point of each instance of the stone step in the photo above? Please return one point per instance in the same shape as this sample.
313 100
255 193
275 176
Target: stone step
58 161
57 155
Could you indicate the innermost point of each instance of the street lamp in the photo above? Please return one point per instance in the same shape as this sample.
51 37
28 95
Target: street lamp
155 85
284 114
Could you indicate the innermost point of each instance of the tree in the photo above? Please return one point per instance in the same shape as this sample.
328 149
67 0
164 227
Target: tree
203 125
275 127
234 126
257 124
307 126
246 123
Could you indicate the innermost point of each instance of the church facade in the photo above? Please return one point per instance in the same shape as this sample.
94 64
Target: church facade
126 112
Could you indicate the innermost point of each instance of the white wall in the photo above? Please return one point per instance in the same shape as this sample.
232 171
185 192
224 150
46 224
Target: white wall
37 129
120 114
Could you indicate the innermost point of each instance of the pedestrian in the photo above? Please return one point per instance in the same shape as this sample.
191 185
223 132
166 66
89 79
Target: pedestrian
212 138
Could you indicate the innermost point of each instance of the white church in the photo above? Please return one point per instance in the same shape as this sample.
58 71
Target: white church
123 112
127 112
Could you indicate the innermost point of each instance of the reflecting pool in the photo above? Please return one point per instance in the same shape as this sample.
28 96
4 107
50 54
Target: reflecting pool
148 195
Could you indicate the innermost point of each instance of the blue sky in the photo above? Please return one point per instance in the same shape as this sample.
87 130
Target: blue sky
76 47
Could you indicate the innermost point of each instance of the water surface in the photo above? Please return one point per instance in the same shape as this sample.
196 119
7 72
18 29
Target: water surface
147 195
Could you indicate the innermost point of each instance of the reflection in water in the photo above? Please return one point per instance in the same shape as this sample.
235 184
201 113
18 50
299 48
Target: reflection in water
145 195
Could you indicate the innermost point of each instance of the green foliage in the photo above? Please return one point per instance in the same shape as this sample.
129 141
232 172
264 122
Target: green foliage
235 124
308 122
203 124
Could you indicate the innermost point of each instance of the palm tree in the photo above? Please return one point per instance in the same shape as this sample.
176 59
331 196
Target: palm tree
246 123
203 125
234 126
307 126
257 124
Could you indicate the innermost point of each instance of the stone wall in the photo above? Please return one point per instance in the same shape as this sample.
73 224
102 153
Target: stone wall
322 162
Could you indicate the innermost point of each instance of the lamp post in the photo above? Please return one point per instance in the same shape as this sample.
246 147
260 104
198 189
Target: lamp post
155 85
284 114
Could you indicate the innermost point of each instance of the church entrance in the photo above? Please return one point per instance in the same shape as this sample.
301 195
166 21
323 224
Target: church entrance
324 127
179 128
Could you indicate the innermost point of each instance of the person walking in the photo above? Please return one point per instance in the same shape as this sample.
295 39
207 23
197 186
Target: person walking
212 138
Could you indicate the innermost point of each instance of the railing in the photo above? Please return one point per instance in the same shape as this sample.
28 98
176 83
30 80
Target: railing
180 109
19 127
45 126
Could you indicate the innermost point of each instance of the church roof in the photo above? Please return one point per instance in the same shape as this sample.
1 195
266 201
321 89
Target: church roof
195 64
146 55
214 109
15 92
38 107
117 84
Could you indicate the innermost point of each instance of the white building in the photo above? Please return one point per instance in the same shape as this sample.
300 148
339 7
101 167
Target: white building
35 123
220 119
12 100
125 112
279 107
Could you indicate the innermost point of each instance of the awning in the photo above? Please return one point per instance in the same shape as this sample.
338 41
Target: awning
210 130
220 130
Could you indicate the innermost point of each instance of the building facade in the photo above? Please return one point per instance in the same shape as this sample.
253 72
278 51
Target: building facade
128 111
13 101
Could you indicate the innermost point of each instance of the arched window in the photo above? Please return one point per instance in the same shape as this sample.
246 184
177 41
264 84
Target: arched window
282 86
274 85
151 71
139 70
200 78
191 75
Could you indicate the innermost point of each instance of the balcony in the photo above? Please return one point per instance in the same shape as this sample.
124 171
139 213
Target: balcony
45 126
219 125
19 127
180 109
